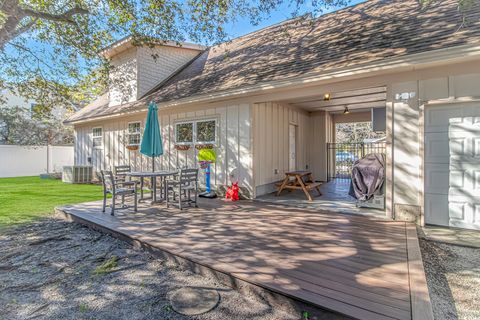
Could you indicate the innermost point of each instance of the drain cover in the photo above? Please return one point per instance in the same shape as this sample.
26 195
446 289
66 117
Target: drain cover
191 301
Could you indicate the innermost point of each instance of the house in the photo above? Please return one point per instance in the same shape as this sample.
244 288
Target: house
269 101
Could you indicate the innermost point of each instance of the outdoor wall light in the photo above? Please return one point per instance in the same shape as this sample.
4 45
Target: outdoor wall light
326 97
346 111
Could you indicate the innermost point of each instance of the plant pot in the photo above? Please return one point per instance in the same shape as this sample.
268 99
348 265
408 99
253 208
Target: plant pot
182 147
132 148
204 146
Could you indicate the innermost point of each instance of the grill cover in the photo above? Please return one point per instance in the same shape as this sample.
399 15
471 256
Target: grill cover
368 176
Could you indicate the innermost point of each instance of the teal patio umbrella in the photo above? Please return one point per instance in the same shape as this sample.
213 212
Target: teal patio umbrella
152 139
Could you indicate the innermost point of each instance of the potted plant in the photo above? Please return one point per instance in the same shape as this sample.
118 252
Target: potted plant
204 146
132 147
182 147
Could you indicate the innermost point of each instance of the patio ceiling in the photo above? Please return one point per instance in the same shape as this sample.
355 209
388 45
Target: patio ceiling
353 99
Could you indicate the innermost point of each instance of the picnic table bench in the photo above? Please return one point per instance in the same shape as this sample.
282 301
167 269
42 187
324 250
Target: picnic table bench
302 180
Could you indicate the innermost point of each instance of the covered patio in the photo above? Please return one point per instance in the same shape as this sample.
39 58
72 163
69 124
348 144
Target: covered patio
332 264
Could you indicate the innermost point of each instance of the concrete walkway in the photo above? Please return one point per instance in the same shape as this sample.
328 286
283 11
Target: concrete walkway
460 237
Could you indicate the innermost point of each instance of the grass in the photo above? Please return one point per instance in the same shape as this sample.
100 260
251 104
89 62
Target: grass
107 266
25 199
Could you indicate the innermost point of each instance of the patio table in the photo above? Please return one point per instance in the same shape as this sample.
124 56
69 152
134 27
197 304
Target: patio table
153 175
302 180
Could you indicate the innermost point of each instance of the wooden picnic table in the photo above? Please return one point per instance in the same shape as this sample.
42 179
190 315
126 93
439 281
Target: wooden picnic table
302 180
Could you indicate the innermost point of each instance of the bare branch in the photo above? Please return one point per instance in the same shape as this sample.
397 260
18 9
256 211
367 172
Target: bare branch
63 17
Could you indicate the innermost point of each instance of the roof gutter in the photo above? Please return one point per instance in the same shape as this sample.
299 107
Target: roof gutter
407 63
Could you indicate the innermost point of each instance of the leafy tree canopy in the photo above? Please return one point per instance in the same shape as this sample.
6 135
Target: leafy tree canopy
53 45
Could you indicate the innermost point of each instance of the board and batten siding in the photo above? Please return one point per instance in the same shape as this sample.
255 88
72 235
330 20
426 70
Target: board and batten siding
234 156
271 142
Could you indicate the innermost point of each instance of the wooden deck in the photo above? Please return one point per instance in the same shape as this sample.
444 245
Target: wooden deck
356 266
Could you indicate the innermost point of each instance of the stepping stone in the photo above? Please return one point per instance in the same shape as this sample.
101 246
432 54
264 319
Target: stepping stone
192 301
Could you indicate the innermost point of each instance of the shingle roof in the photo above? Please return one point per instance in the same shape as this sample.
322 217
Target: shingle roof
361 34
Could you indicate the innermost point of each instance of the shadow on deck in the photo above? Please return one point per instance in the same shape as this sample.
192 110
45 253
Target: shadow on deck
355 266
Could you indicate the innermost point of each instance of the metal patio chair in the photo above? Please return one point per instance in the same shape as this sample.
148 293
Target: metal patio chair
182 186
117 188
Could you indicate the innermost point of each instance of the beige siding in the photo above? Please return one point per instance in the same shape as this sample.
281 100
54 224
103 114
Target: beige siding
123 78
157 64
321 125
271 142
234 159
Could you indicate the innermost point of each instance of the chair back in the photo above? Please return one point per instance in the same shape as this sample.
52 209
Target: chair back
121 171
188 176
108 180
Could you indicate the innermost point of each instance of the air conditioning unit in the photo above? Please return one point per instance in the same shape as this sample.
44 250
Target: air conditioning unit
77 174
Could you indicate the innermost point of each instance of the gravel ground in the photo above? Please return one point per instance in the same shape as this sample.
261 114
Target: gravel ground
453 276
58 270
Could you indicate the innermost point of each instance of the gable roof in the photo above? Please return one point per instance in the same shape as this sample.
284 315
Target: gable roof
368 32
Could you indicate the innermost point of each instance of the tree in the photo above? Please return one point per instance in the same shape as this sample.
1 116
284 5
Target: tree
59 40
56 42
21 126
355 132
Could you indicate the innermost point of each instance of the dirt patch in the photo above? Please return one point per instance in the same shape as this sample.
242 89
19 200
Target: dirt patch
453 276
59 270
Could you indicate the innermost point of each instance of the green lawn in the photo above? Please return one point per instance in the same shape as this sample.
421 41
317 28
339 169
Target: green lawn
25 199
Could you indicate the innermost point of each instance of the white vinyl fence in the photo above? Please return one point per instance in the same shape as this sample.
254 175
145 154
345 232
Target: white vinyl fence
17 161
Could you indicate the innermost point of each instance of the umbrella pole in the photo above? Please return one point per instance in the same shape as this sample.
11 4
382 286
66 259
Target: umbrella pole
154 181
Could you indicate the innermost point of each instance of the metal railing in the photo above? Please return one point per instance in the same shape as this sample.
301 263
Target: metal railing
341 157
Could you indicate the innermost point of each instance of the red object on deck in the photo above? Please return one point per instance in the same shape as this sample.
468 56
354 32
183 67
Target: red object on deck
232 192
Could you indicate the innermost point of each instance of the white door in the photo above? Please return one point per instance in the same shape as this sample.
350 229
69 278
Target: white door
292 159
452 165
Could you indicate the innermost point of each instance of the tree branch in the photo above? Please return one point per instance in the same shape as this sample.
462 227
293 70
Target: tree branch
63 17
15 14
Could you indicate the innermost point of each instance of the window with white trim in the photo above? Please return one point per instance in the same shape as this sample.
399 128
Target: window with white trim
196 132
205 131
97 137
184 133
134 134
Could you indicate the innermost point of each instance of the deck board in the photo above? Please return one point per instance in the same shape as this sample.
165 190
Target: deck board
353 265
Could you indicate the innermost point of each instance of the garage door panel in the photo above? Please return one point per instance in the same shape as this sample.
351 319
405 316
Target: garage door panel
464 212
437 119
464 175
458 146
436 209
436 178
436 148
452 166
462 123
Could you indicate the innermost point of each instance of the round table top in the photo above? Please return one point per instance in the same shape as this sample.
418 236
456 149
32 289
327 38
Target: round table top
151 174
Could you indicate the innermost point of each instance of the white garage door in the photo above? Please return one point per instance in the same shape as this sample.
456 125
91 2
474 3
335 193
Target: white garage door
452 165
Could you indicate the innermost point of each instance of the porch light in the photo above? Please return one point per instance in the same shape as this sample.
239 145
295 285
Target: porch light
326 97
346 111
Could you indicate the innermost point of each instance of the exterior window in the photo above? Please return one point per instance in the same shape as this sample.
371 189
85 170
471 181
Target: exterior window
134 134
97 137
206 131
184 133
198 132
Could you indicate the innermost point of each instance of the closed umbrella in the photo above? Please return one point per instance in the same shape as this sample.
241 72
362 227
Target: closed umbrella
152 141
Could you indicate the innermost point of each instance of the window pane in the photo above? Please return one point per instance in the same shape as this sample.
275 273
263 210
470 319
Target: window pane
184 132
97 132
206 131
134 139
134 127
97 142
